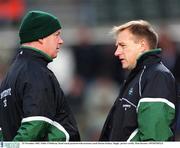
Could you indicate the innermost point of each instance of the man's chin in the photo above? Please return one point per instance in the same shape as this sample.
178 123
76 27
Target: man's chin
55 56
124 66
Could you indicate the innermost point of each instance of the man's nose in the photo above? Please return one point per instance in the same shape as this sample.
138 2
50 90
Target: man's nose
61 40
118 51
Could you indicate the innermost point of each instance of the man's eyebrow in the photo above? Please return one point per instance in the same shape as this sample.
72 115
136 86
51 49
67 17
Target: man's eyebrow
120 43
58 33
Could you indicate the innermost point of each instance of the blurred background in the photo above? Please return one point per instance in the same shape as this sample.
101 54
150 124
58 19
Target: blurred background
86 68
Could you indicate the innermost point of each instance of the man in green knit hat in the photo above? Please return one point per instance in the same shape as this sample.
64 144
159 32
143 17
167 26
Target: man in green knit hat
33 106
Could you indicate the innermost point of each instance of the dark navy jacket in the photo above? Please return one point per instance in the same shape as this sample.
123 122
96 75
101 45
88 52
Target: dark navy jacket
32 104
145 107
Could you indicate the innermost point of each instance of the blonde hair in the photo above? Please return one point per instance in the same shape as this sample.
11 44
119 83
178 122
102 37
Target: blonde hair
141 29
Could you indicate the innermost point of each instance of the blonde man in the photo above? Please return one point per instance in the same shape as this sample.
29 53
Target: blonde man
145 107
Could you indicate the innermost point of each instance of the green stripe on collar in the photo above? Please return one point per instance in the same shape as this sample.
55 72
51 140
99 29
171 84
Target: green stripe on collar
156 51
39 51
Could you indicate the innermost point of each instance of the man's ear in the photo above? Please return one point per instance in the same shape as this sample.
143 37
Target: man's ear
144 45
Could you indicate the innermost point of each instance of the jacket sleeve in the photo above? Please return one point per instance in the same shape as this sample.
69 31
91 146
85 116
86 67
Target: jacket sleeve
156 109
39 109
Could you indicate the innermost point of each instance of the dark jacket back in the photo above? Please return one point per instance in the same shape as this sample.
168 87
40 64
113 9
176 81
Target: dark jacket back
33 92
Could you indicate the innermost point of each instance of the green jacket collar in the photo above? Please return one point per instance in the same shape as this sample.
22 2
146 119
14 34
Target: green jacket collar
40 52
148 58
149 52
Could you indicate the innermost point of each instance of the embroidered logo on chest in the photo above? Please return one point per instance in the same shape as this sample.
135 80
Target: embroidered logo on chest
125 106
4 95
126 103
130 92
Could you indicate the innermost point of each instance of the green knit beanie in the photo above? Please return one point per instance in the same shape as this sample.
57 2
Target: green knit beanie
37 25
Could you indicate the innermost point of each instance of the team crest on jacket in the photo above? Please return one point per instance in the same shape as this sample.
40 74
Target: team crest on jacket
130 92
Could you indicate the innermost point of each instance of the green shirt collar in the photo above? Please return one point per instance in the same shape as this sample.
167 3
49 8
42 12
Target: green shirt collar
39 51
